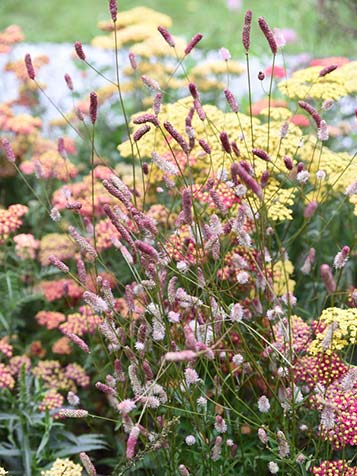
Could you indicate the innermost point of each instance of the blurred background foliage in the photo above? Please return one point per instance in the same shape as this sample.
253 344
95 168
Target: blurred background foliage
219 20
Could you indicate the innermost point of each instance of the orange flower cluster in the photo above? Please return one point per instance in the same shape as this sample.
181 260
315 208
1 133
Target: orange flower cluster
80 323
5 347
26 246
60 288
62 346
10 220
49 165
51 400
8 37
50 319
82 192
6 380
55 377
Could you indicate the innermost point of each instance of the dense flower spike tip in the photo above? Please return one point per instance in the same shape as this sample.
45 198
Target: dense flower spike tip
341 258
166 36
180 356
147 250
79 50
157 103
187 206
196 39
312 111
141 132
69 413
177 136
9 153
261 154
58 264
143 118
93 106
231 100
268 35
246 30
68 81
150 83
193 90
132 60
327 278
87 464
239 170
132 441
223 136
327 69
205 146
322 131
113 9
29 66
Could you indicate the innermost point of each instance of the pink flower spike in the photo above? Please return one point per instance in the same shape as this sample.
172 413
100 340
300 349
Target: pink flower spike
223 136
58 264
141 132
224 54
6 146
132 441
341 258
133 62
77 341
87 464
327 278
312 111
205 146
166 36
181 356
113 9
231 100
310 209
69 81
79 50
196 39
246 30
93 107
327 70
29 66
157 103
268 35
261 154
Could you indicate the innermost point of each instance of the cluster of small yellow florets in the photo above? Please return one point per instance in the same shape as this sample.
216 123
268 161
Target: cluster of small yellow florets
63 467
339 329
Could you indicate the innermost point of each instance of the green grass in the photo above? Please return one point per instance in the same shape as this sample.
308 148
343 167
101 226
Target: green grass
71 20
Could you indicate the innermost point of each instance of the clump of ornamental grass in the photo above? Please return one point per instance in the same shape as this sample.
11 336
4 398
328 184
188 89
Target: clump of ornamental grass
208 285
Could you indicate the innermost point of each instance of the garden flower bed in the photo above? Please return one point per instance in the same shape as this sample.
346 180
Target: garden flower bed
178 259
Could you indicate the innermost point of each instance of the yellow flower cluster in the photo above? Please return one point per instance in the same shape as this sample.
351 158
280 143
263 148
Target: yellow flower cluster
56 244
63 467
3 472
156 46
340 169
281 277
339 330
135 25
208 75
307 83
278 200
